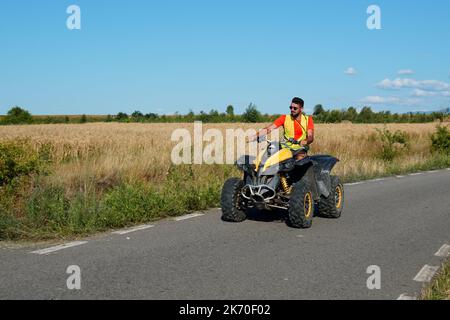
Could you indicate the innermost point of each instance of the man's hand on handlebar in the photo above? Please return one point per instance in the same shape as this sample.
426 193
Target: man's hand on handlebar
302 143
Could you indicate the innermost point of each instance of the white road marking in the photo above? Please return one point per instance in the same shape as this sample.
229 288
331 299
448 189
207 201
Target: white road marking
354 183
404 296
443 252
426 274
60 247
397 176
139 228
189 216
300 236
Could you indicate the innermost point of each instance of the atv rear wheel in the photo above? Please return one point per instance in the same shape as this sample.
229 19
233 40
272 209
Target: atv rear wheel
230 201
301 206
332 206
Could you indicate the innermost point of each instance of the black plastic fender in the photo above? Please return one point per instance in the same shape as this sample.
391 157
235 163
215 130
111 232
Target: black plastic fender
322 166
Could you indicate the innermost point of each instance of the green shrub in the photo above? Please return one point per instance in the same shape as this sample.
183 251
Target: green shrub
392 143
8 226
129 204
17 158
47 208
251 114
440 140
18 115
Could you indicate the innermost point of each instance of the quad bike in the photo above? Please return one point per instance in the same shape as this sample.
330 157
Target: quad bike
276 181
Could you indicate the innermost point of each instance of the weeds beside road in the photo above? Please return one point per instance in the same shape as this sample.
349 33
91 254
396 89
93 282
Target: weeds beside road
440 287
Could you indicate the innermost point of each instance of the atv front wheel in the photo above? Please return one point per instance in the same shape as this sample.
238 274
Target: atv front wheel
301 206
230 201
332 206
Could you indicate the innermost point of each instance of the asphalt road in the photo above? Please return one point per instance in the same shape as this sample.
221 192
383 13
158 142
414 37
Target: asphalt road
397 224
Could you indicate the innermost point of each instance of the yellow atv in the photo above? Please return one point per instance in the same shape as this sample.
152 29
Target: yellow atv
275 180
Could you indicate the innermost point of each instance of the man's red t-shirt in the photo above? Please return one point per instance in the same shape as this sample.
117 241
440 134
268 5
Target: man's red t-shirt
298 128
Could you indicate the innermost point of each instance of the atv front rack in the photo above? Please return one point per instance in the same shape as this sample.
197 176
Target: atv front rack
261 193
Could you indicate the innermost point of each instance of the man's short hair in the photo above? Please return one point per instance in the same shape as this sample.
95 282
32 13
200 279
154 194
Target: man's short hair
298 101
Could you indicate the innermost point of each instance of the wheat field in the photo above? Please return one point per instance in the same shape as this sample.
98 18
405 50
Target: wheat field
108 152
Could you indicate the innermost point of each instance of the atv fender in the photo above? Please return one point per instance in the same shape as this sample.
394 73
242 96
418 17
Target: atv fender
321 168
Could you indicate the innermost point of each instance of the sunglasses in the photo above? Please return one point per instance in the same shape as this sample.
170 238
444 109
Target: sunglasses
294 108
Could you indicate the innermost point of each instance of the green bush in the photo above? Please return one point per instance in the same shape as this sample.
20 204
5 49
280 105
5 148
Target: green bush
251 114
128 204
440 140
18 115
47 208
18 158
392 143
8 227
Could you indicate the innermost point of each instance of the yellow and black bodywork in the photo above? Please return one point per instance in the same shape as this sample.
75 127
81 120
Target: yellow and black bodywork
270 180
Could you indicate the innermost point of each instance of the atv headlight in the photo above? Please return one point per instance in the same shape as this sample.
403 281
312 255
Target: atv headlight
247 167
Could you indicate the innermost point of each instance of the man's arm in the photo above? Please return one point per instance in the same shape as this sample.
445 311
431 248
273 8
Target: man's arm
310 138
267 130
262 133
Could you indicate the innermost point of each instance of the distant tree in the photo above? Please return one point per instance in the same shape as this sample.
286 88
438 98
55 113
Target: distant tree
137 115
18 115
66 119
318 110
230 111
109 118
121 116
350 114
190 116
151 116
335 116
83 119
366 115
251 114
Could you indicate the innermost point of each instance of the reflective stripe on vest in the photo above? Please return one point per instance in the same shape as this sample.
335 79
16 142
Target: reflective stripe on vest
289 129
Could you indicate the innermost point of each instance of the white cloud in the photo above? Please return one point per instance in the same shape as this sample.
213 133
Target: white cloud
390 100
401 83
425 93
351 71
405 72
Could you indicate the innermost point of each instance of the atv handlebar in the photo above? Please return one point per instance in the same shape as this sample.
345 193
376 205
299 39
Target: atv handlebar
284 144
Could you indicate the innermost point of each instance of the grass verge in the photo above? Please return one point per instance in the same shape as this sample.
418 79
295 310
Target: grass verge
440 287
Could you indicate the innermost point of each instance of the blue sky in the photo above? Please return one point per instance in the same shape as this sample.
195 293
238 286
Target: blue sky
169 56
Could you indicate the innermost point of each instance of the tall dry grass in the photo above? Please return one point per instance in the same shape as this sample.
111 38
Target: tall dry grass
106 153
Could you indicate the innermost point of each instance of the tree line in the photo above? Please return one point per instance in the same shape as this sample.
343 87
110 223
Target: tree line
18 115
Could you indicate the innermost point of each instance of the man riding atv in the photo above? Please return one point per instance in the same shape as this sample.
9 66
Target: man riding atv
284 177
298 129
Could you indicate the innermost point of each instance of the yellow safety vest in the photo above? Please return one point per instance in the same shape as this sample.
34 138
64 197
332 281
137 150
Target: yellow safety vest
289 129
